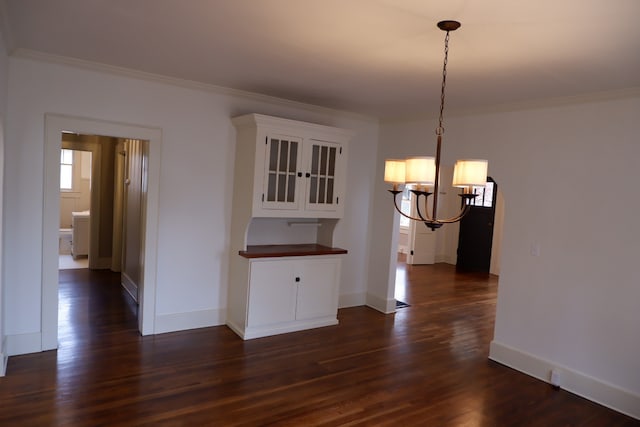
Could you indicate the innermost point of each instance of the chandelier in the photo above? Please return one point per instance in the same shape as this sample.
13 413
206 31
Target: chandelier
423 173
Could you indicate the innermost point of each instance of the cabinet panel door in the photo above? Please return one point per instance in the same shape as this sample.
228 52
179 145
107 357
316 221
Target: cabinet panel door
272 293
318 288
324 158
282 160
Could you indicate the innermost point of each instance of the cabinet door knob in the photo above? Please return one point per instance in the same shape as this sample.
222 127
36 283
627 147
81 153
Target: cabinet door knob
300 174
297 279
308 175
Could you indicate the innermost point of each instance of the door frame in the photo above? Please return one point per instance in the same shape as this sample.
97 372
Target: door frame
55 124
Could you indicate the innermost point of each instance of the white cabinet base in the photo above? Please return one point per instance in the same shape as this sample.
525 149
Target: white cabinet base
276 295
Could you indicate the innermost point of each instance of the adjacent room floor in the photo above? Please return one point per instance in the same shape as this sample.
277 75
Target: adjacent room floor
66 262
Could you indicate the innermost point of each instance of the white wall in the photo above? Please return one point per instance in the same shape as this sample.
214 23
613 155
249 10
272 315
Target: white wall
569 177
195 184
4 67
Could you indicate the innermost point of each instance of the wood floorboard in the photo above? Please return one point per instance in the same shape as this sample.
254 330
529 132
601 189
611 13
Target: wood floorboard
425 365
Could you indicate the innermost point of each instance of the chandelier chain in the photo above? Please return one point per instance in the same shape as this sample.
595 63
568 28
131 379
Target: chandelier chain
440 129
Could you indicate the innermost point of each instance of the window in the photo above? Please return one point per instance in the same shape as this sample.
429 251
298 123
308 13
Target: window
485 196
66 169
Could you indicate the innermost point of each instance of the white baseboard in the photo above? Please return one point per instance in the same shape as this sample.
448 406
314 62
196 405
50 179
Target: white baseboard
235 328
4 358
23 343
129 285
351 300
602 392
191 320
446 259
383 305
281 328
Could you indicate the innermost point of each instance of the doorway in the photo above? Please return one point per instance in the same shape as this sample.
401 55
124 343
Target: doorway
475 238
55 125
99 203
446 242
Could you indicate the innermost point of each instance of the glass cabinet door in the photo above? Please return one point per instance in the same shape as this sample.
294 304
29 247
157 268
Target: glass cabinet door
322 179
282 158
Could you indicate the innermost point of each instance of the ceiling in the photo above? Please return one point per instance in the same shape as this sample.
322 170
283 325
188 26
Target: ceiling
381 58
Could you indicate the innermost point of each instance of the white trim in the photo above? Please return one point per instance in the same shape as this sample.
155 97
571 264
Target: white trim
23 343
529 104
221 90
447 259
251 332
235 328
174 81
129 285
383 305
54 125
599 391
4 358
351 300
191 320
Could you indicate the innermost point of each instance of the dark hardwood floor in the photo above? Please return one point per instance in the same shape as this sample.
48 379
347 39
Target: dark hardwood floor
426 365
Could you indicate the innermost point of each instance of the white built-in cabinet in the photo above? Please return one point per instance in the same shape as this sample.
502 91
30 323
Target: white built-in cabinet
288 198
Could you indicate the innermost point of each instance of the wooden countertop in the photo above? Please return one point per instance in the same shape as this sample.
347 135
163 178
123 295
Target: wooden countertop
270 251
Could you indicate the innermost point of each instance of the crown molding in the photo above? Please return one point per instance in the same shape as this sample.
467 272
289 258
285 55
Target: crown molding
532 104
631 92
184 83
535 104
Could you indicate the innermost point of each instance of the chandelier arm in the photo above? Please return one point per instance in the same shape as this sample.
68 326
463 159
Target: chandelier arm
456 218
465 210
395 203
426 195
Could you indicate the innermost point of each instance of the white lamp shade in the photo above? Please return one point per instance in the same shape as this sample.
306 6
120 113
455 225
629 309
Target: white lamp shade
420 170
394 171
470 172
